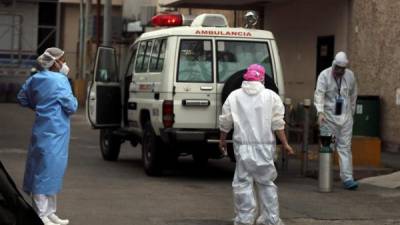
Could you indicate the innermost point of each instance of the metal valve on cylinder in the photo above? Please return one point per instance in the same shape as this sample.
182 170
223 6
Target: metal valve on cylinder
325 176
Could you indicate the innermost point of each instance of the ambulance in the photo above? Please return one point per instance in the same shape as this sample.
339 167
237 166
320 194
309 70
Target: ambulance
169 97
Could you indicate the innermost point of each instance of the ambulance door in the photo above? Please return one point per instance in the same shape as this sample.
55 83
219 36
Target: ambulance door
195 88
104 94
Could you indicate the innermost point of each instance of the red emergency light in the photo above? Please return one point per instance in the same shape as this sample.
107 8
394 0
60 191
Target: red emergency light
168 20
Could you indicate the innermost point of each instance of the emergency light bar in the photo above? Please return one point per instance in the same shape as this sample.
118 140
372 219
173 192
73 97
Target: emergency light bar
203 20
169 20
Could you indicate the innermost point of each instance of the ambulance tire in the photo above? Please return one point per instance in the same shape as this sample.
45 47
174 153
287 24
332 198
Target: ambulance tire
232 83
200 157
235 82
110 145
151 151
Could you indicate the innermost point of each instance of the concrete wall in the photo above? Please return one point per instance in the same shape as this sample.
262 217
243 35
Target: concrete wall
70 34
296 26
375 59
229 14
139 9
29 15
114 2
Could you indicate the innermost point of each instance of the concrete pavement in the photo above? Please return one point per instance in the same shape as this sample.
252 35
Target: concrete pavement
97 192
388 181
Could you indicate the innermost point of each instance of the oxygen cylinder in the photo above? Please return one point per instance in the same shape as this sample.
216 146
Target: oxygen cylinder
325 175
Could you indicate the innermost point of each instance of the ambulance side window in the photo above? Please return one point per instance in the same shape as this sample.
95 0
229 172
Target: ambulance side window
106 67
142 61
195 61
158 55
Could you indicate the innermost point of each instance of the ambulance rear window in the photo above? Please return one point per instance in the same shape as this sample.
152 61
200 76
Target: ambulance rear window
195 61
233 56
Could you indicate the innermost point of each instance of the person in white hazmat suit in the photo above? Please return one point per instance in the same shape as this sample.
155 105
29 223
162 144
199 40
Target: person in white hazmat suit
255 113
335 99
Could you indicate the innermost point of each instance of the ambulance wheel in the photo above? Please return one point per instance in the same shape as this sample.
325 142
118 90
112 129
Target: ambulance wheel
232 83
151 151
235 82
200 156
110 145
200 160
231 153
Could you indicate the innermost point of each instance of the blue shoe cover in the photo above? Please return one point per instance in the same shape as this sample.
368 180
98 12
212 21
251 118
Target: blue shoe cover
350 184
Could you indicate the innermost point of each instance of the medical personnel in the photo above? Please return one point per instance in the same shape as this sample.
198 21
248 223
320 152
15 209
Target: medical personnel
256 114
48 94
335 99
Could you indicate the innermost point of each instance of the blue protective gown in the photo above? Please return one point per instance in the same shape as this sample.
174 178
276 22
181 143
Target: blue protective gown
49 95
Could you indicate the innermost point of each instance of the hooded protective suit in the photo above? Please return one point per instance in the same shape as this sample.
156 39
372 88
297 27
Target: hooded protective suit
341 126
49 95
255 113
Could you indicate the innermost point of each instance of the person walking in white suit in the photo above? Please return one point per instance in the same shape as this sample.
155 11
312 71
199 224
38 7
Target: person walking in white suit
256 115
335 99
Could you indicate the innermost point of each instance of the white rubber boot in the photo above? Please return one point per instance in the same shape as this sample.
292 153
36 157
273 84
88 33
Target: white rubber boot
47 221
55 219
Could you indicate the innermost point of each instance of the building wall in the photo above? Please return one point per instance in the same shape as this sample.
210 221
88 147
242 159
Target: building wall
375 56
139 9
94 2
70 34
229 14
29 15
296 26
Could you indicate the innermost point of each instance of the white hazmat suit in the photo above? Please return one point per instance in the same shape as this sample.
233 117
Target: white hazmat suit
255 113
341 126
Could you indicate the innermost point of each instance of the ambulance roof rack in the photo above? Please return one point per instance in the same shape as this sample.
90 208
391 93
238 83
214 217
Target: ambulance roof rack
210 20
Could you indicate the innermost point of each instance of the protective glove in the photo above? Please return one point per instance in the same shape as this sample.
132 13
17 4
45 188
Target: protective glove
288 149
223 147
321 118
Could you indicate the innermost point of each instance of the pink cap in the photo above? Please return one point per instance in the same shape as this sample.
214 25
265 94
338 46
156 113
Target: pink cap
255 72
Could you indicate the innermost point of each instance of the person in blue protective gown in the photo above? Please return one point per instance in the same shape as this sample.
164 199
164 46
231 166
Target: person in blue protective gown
48 93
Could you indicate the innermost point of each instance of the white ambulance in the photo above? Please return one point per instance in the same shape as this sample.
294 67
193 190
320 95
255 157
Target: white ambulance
170 96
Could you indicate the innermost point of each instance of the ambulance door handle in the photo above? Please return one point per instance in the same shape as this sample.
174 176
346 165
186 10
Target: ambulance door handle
206 88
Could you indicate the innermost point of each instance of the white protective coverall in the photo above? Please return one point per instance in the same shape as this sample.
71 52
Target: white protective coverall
341 126
255 113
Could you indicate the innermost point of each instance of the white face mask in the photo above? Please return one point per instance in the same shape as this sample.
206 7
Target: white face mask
64 69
